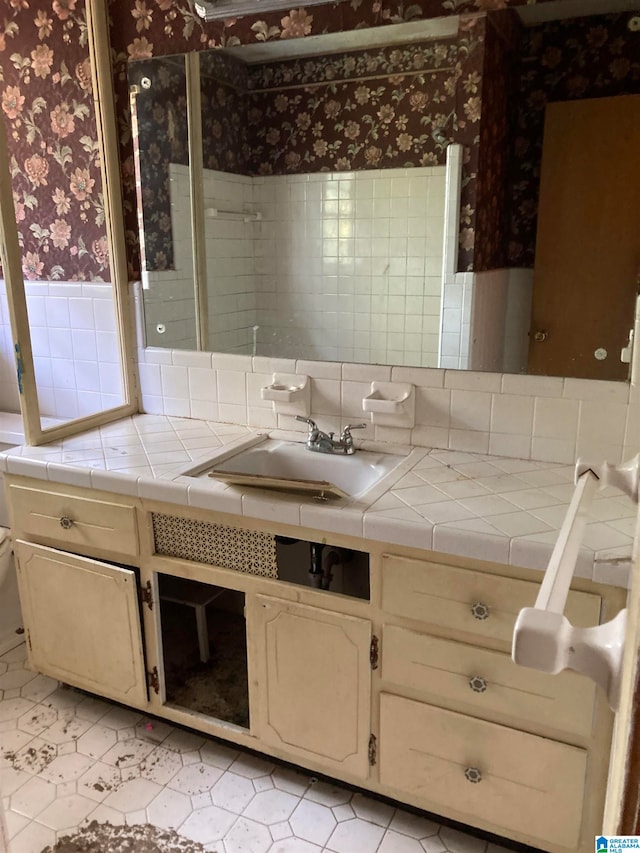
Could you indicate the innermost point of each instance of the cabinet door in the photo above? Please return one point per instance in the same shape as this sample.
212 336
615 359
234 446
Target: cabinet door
314 681
83 622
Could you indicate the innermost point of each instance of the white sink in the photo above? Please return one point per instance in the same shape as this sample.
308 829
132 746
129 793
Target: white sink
289 466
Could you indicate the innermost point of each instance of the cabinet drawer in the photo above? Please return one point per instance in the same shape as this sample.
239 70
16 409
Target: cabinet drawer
74 521
486 681
523 783
477 603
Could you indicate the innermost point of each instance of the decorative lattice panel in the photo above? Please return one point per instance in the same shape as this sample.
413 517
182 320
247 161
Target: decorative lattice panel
215 544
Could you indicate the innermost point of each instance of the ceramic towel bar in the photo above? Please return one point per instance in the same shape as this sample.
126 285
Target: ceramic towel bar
543 637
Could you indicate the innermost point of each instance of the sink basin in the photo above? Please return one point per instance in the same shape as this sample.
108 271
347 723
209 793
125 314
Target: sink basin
289 466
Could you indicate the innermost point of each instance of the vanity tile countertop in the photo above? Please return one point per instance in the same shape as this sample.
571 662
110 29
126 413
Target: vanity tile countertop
464 504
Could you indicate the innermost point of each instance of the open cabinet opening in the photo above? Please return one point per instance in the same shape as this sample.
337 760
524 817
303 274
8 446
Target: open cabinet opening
204 644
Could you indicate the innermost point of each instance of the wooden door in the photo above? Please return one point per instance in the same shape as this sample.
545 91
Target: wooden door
587 262
83 622
314 680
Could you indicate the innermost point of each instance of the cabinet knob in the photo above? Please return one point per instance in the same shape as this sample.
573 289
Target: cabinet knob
472 774
66 522
479 610
478 684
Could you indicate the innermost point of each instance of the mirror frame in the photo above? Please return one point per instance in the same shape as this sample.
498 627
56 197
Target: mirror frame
102 82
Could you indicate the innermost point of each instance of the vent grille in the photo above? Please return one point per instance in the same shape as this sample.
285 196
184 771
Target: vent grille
215 544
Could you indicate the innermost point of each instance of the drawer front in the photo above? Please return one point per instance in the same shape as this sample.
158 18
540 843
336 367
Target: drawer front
486 681
510 780
477 603
74 521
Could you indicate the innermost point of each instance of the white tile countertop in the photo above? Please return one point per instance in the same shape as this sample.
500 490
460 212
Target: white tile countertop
465 504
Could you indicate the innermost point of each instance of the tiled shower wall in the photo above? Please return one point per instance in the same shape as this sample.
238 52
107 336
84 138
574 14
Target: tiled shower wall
75 349
344 266
350 265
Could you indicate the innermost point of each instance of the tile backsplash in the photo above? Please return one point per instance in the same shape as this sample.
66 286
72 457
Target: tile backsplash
531 417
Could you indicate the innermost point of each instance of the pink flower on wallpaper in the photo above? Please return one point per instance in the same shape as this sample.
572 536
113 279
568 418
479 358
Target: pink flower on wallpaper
63 8
143 16
44 24
41 60
467 238
62 123
20 210
3 42
32 266
37 169
352 130
405 142
164 5
273 136
472 109
296 24
140 49
61 201
12 101
100 250
373 155
332 109
83 74
60 232
81 184
386 113
418 101
320 147
362 94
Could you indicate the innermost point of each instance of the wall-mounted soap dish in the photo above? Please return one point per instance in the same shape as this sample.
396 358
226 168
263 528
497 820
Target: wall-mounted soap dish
290 394
391 404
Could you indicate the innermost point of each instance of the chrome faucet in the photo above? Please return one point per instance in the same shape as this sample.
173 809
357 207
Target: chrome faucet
324 442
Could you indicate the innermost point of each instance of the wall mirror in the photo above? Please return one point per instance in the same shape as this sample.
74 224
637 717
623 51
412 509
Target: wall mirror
292 194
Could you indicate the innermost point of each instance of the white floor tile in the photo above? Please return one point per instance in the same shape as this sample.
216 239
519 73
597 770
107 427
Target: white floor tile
66 812
33 797
195 779
233 792
247 836
354 835
209 824
271 806
169 809
66 758
312 822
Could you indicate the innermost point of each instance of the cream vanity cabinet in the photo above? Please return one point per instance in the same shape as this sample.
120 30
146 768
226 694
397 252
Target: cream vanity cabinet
407 689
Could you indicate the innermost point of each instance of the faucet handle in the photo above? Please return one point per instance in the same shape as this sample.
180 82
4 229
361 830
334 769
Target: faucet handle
304 420
347 430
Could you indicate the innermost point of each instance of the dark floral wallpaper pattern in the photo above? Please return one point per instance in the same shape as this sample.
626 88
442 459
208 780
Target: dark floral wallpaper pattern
563 60
374 109
44 60
47 106
141 29
161 116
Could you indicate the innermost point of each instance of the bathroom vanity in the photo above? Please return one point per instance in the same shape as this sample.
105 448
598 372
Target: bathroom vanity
396 679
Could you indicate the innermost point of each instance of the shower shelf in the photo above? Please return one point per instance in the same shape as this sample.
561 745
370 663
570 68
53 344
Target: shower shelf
217 213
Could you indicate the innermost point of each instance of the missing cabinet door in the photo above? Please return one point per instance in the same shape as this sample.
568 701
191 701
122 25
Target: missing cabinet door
323 567
204 648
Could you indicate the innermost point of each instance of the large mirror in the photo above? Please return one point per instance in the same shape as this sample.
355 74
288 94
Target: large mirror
294 196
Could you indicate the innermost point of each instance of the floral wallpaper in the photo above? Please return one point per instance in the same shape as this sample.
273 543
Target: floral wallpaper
141 29
499 95
563 60
47 106
371 109
161 119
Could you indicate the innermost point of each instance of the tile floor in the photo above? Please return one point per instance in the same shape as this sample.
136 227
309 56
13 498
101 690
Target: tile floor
67 758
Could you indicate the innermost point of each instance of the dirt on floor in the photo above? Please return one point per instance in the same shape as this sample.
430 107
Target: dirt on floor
106 838
218 688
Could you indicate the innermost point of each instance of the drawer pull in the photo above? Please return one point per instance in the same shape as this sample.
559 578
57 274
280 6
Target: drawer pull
472 774
66 522
478 684
479 610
